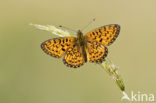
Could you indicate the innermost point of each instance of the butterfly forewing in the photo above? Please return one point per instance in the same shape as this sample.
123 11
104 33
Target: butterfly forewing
58 46
105 35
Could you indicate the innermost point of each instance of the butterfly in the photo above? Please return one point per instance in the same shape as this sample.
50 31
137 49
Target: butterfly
91 46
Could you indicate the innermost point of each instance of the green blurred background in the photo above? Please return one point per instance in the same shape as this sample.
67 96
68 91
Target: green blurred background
28 75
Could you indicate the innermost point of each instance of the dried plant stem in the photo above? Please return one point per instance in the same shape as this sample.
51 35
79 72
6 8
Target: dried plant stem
112 70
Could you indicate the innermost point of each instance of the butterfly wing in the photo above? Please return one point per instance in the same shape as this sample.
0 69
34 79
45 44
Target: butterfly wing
74 57
96 52
58 46
105 35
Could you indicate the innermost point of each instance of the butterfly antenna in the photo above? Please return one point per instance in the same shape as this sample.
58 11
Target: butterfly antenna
67 28
88 24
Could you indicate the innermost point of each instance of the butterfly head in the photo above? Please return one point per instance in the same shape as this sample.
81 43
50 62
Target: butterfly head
79 32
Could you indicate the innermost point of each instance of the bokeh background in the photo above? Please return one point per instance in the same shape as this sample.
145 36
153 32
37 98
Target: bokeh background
28 75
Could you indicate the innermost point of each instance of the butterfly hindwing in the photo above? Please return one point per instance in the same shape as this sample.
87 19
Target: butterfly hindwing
74 57
58 46
96 52
105 35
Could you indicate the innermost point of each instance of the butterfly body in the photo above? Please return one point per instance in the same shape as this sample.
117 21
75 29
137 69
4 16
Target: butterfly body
82 44
88 47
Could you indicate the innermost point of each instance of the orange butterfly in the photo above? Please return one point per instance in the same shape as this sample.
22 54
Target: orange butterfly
78 50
